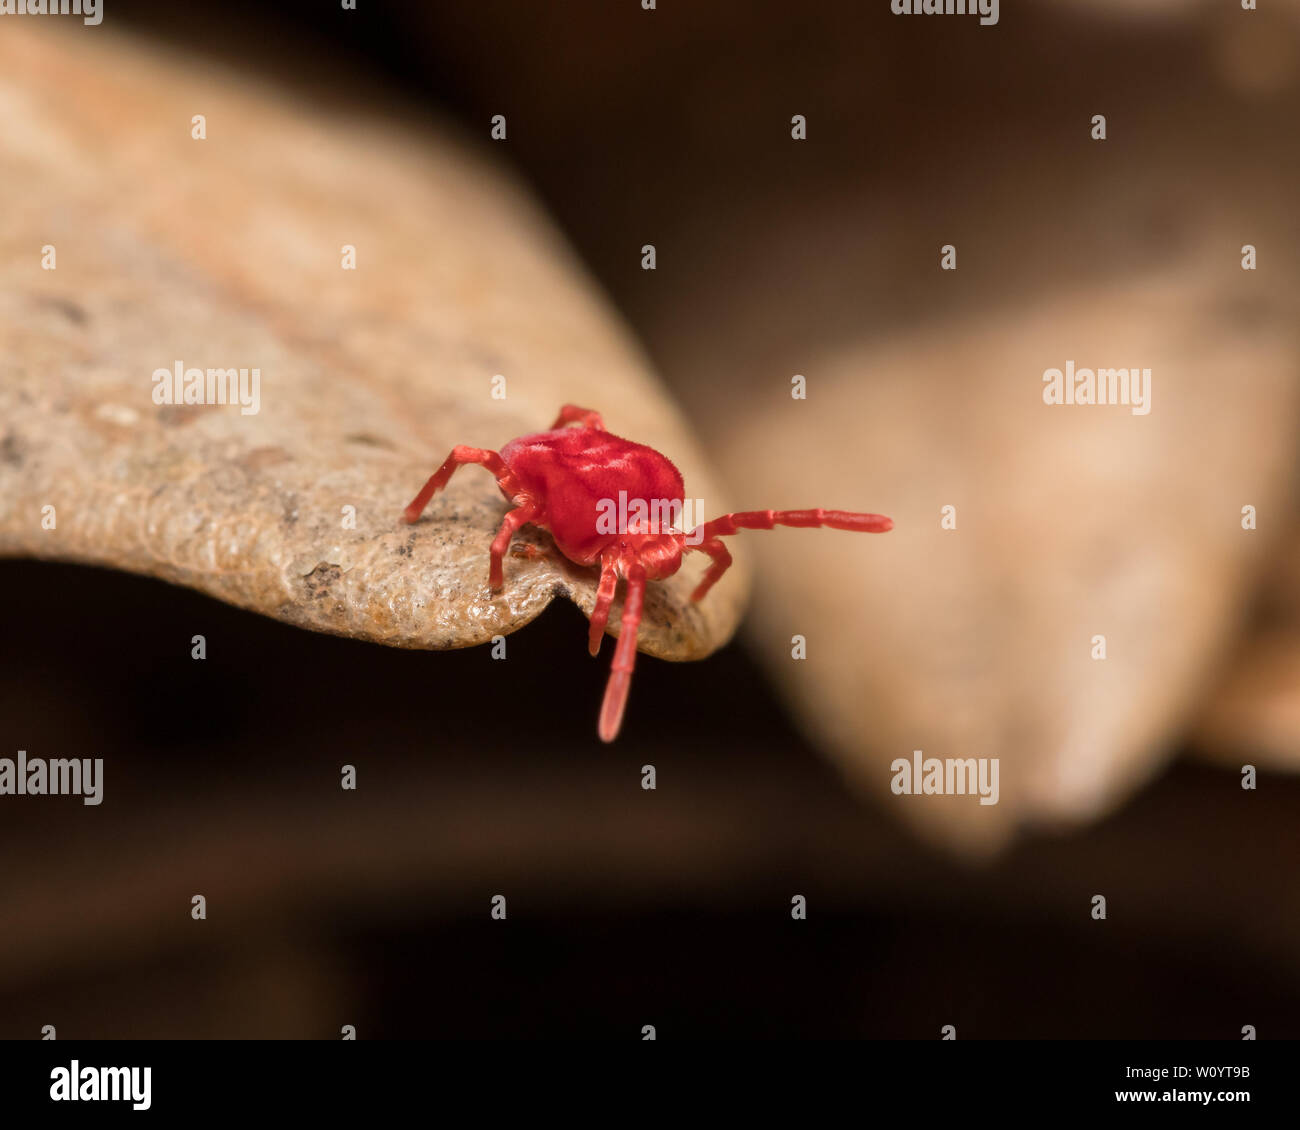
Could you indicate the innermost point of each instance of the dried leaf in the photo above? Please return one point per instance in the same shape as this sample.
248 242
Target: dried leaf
227 252
1071 523
1253 713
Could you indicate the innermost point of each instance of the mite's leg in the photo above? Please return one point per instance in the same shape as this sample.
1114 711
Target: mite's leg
604 598
458 458
572 414
721 562
767 519
620 671
520 516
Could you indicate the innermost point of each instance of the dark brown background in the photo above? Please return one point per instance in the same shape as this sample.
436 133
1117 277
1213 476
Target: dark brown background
626 908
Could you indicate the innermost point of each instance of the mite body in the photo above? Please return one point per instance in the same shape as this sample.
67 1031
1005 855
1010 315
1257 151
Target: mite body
563 480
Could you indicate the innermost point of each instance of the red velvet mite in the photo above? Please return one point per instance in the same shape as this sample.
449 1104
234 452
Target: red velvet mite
567 480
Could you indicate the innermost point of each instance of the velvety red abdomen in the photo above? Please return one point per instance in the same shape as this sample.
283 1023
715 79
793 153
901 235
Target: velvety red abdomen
570 470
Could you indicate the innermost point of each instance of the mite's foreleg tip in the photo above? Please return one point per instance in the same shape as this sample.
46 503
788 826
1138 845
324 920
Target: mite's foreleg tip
609 725
612 709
